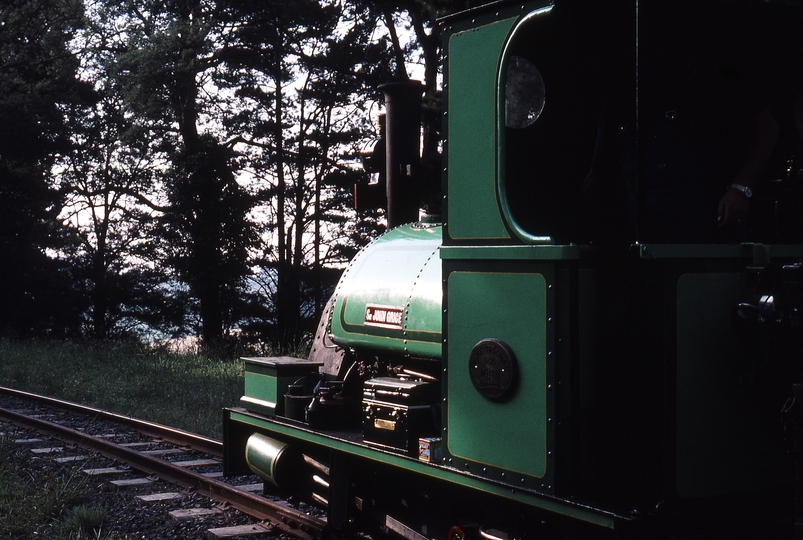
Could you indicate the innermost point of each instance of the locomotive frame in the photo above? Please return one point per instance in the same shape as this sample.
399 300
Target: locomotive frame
508 372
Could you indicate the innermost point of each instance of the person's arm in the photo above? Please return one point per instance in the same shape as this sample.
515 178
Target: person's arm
764 133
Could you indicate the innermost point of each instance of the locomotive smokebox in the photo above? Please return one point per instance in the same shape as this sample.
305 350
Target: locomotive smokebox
403 129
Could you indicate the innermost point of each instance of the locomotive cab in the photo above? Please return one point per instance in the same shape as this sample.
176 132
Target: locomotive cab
581 349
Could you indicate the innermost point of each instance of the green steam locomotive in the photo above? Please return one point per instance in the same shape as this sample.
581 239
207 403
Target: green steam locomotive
593 337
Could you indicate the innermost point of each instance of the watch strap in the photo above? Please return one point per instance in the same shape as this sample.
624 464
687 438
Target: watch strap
744 189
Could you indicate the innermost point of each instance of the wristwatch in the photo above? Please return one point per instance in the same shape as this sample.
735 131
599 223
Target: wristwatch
744 189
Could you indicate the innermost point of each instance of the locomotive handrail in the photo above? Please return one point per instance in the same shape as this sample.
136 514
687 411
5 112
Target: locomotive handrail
756 251
643 251
524 252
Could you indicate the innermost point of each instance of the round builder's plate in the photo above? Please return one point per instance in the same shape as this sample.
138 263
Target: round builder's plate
492 368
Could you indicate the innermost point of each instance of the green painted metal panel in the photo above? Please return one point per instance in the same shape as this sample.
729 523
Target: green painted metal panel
261 393
390 296
511 308
267 379
728 439
290 433
473 63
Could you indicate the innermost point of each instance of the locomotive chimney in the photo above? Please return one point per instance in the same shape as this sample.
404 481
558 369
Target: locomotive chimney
403 128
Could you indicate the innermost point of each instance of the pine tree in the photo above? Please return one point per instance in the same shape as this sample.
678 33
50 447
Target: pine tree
170 56
37 78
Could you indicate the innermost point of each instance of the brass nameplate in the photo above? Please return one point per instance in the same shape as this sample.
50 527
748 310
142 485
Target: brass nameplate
389 425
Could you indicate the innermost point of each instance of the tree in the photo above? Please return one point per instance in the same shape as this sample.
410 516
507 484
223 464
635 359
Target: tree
37 79
217 142
109 180
296 70
170 53
209 79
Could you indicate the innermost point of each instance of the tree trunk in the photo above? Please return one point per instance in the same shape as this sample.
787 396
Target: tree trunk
99 293
282 287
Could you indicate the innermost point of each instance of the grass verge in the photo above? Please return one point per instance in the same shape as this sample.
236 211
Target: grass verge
44 501
186 391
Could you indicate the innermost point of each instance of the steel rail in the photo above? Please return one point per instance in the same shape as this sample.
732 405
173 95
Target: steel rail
281 518
166 433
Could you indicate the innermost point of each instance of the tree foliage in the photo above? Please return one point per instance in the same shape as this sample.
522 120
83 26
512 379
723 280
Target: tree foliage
184 166
38 79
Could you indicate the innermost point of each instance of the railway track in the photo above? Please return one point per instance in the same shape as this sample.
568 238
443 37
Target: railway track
190 462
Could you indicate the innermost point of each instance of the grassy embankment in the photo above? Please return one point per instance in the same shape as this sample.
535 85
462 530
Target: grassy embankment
186 391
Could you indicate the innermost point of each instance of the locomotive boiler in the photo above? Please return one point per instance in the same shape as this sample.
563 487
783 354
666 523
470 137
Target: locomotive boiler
593 339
